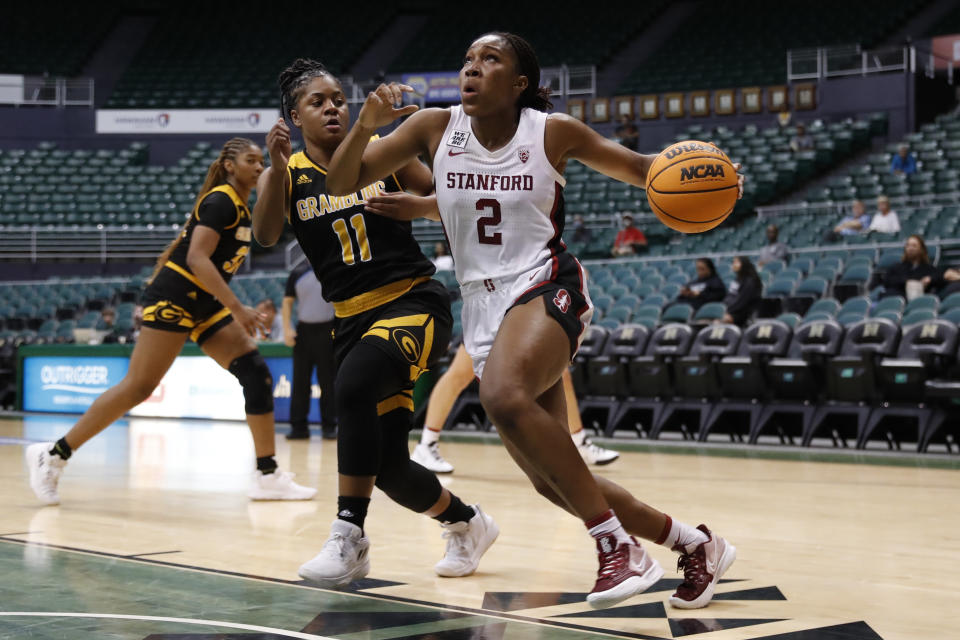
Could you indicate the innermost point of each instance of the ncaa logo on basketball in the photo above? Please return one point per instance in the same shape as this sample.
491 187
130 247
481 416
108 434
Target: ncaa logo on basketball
562 300
701 171
408 343
524 154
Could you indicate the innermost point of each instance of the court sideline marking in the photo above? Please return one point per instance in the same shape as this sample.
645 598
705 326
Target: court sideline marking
512 617
120 616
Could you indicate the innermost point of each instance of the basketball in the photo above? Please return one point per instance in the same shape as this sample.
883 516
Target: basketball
692 186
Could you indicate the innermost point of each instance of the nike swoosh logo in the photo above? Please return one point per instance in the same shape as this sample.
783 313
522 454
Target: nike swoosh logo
452 154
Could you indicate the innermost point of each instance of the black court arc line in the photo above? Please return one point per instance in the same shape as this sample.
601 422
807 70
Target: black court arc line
149 553
375 596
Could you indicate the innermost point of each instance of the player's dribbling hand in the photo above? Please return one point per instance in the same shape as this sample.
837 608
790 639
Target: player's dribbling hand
384 105
737 166
278 144
400 205
251 320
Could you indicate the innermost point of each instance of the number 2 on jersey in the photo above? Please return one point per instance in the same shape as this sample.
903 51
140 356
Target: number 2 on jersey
346 242
491 220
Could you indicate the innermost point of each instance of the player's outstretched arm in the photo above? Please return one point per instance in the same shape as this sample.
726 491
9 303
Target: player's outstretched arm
569 139
203 243
404 206
359 161
273 196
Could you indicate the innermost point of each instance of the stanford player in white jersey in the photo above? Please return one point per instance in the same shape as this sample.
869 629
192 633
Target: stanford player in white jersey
498 163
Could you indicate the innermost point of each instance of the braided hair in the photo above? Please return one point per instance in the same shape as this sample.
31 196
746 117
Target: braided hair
294 78
534 96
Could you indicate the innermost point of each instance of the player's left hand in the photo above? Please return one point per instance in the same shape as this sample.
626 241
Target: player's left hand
385 105
400 205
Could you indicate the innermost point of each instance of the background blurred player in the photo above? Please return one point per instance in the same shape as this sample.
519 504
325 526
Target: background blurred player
448 388
189 296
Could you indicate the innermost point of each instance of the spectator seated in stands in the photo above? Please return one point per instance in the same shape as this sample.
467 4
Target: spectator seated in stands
630 240
885 220
904 163
774 250
949 281
857 222
802 140
581 233
108 318
272 319
745 292
627 133
706 287
442 259
913 275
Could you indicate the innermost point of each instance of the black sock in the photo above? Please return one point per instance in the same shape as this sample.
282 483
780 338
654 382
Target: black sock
266 465
456 511
352 509
62 449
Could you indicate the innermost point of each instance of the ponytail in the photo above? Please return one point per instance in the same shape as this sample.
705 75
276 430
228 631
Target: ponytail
216 175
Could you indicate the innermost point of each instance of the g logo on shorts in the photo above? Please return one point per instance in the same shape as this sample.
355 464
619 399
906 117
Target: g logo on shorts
169 313
408 344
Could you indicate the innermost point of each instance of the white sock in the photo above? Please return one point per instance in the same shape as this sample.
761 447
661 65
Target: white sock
579 437
429 436
685 536
609 524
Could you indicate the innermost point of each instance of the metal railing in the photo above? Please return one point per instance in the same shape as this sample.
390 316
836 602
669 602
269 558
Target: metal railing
850 60
84 243
837 206
46 91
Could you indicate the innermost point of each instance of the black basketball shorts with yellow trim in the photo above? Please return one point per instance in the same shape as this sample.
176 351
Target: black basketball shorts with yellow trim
414 330
173 303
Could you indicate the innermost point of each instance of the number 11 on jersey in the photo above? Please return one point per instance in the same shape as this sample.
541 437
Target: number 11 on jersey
346 242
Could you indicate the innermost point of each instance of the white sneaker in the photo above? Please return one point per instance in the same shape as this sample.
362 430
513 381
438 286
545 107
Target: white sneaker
595 454
428 455
466 543
343 559
278 485
45 469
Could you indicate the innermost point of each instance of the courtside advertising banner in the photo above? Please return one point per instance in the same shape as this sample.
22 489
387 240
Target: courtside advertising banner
194 387
281 369
68 385
186 120
438 86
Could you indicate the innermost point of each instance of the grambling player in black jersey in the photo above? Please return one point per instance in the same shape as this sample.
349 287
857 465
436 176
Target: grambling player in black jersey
392 322
188 296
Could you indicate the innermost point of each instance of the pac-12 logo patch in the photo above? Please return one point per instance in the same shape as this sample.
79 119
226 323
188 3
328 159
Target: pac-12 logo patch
459 139
524 154
562 300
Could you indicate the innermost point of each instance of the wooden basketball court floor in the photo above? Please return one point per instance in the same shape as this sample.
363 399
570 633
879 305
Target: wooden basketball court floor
155 539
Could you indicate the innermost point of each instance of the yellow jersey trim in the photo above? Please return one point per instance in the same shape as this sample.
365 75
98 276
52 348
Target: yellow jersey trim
376 297
209 322
239 204
169 264
398 401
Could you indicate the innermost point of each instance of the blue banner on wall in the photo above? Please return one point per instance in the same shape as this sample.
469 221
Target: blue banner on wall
68 385
437 86
282 371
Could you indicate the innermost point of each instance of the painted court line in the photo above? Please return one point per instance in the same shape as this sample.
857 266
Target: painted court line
207 623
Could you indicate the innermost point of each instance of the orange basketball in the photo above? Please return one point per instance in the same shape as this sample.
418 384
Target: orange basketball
692 186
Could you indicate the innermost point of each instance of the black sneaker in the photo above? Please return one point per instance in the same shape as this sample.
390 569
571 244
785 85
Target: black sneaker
329 433
299 434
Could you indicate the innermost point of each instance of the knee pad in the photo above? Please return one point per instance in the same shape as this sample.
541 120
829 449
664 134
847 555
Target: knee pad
254 376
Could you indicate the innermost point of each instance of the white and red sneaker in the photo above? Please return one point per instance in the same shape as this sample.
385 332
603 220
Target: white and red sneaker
625 570
702 570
